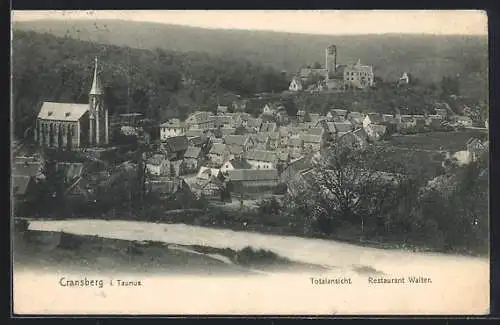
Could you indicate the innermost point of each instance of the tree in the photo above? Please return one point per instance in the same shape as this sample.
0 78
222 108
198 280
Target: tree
344 187
317 65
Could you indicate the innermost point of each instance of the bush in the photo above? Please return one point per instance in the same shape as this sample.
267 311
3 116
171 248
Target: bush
280 189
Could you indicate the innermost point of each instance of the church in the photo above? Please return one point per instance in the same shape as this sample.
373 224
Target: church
71 126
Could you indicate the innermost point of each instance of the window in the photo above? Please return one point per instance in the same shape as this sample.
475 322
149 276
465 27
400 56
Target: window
49 113
67 114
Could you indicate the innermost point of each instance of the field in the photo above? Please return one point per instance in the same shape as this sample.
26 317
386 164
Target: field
442 141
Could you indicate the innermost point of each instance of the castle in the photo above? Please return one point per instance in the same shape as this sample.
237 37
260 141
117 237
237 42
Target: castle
340 77
72 126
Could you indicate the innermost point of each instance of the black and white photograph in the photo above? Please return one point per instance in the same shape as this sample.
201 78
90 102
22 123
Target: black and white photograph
250 162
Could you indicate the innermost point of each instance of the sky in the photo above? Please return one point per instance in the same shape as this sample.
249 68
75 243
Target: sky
329 22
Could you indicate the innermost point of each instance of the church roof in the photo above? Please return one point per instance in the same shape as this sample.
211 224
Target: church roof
62 111
96 83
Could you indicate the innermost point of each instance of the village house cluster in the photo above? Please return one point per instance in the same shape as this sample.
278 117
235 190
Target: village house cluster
209 153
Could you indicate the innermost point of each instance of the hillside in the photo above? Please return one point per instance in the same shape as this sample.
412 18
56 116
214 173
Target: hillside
424 56
159 83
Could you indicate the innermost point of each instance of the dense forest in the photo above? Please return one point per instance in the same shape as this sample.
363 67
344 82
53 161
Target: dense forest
428 57
158 83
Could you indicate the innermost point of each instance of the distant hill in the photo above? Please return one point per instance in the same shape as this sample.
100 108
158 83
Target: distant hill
427 57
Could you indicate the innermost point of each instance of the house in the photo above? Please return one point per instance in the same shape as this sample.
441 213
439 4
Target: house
375 132
254 123
434 120
252 180
261 159
239 105
295 145
372 118
200 120
295 166
268 127
218 154
192 133
388 119
175 147
476 147
222 110
269 109
358 76
419 120
463 120
342 128
172 128
302 116
314 118
441 111
211 187
404 79
261 140
282 117
238 144
295 85
192 160
199 142
355 139
406 121
157 165
171 188
223 121
205 173
235 163
274 140
356 118
337 115
312 142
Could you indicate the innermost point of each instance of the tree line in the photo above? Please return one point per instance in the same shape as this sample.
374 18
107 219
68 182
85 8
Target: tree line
159 83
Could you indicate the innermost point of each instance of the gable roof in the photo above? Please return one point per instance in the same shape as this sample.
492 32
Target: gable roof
268 127
173 123
252 174
295 141
311 138
176 144
194 133
156 159
239 163
262 155
315 131
343 126
375 118
314 117
192 152
218 148
239 140
62 111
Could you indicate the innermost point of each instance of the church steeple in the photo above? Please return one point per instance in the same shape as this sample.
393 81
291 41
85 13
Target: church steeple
96 83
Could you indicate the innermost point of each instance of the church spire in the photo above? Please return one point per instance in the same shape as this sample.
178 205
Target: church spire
96 83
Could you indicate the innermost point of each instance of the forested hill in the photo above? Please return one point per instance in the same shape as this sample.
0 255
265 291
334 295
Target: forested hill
159 83
427 57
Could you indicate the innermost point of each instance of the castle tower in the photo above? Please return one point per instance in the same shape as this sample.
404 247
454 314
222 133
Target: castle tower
331 60
98 114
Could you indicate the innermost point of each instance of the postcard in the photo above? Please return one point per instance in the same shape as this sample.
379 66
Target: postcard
264 162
